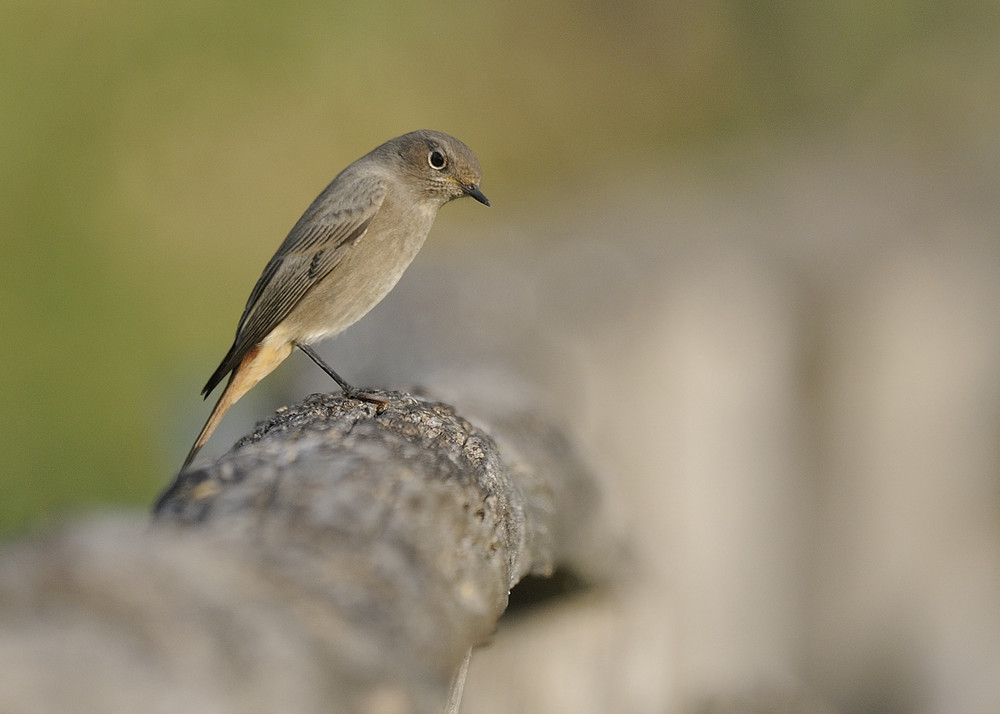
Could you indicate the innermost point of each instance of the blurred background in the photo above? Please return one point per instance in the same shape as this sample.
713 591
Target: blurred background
751 248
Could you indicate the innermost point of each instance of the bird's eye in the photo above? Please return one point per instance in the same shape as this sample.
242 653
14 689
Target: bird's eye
436 160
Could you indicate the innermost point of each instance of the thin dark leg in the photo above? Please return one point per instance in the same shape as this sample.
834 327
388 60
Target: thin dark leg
348 389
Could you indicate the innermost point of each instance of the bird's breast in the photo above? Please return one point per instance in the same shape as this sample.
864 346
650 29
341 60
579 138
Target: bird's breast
368 271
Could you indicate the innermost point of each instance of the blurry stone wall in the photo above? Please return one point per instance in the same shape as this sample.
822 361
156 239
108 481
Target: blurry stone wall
790 381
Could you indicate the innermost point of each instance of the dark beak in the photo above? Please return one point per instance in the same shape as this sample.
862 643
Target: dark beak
473 190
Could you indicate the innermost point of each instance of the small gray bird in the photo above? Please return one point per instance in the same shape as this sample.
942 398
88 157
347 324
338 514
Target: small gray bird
344 255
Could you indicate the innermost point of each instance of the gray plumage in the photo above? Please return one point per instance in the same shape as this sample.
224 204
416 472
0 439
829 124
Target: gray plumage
353 243
344 255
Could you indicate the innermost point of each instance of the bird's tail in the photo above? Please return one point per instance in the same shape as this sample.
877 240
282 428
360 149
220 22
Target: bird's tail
258 363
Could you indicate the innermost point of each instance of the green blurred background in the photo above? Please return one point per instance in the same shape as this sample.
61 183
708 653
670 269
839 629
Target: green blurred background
155 154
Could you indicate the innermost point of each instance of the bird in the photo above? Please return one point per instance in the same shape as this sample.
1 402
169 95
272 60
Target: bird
345 254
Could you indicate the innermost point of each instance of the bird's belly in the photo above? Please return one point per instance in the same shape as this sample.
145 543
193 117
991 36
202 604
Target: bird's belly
365 275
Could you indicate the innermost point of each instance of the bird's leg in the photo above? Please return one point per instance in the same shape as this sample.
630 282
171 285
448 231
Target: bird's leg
347 388
349 391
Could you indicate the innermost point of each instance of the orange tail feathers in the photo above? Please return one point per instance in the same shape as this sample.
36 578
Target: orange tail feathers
259 363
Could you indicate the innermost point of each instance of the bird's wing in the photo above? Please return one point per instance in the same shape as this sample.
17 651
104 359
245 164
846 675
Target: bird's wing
337 219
